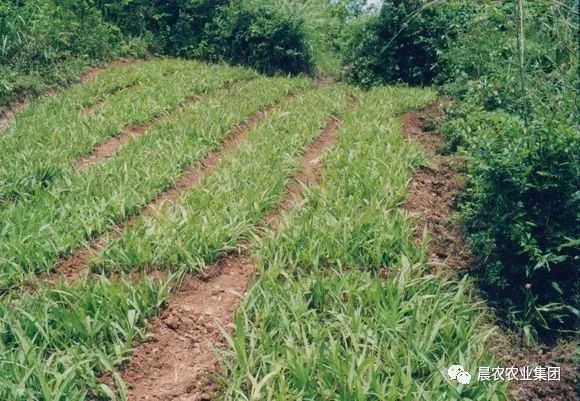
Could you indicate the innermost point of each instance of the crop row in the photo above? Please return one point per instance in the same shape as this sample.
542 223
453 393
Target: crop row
55 343
210 220
78 207
46 139
344 306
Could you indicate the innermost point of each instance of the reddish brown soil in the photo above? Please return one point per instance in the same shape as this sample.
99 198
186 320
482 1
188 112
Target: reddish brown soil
111 146
179 363
92 72
92 108
432 197
177 360
517 354
7 116
310 172
194 174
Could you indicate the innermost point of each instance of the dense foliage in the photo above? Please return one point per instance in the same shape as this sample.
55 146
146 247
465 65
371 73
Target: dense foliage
50 42
511 66
257 35
403 42
515 72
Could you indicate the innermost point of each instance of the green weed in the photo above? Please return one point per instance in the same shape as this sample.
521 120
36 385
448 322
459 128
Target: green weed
75 209
210 220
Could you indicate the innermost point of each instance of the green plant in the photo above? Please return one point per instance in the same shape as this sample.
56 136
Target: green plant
42 40
521 209
52 133
258 35
210 220
83 204
403 42
516 75
55 344
320 321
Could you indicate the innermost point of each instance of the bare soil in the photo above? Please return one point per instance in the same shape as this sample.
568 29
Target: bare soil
432 195
92 108
179 362
432 198
7 116
92 72
111 146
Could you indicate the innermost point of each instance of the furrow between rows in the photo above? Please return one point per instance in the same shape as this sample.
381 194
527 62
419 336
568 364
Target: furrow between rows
9 114
43 147
92 200
112 145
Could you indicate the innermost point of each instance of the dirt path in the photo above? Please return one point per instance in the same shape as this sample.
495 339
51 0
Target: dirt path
7 116
432 196
178 362
111 146
75 265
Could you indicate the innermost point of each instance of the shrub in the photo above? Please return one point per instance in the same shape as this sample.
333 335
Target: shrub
178 25
521 210
257 35
517 123
42 39
403 42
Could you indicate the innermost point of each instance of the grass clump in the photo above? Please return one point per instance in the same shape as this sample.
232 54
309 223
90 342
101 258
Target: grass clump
57 342
516 122
43 145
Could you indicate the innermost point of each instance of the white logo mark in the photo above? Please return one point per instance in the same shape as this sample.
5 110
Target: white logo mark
456 372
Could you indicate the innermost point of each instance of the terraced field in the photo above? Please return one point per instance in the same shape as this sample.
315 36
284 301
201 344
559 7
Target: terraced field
162 210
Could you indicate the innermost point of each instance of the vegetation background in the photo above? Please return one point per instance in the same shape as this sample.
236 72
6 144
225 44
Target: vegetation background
511 67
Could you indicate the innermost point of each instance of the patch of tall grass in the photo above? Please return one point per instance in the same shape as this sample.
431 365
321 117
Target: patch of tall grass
43 145
57 342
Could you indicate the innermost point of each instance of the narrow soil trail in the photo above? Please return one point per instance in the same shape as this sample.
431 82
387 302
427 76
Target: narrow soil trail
112 145
178 363
92 108
76 265
432 194
8 114
432 197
